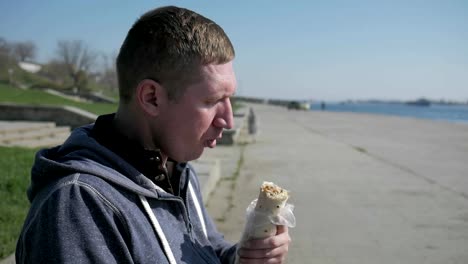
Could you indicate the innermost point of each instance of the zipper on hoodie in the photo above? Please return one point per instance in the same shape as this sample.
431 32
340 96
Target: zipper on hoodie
188 224
190 227
183 202
202 254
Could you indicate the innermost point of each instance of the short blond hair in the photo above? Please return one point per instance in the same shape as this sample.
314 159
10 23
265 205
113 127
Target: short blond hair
168 45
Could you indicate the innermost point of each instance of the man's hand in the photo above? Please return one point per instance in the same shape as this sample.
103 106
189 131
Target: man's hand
268 250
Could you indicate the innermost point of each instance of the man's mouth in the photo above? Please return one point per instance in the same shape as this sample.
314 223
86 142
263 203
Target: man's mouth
211 143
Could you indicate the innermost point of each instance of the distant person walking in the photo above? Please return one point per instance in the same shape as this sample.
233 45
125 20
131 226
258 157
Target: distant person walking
252 122
323 106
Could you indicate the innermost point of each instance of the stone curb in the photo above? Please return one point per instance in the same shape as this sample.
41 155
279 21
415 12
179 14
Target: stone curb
9 260
208 172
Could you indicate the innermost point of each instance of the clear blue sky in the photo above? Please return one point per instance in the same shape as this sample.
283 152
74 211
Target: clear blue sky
322 50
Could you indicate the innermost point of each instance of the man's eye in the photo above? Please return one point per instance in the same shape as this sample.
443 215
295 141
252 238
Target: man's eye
211 101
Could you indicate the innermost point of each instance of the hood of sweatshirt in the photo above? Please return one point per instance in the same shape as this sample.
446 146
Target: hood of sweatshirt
164 228
81 153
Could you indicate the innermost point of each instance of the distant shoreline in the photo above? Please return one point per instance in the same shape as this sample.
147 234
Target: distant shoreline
442 112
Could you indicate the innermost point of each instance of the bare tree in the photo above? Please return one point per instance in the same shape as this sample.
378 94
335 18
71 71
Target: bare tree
24 50
108 73
77 59
6 60
5 47
5 51
56 72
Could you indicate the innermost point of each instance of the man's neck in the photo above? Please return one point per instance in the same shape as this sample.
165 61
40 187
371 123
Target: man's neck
133 126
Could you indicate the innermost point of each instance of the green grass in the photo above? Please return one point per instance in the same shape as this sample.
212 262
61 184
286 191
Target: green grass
15 164
236 105
233 179
15 167
37 97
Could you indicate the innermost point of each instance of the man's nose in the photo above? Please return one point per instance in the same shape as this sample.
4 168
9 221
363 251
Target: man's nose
225 117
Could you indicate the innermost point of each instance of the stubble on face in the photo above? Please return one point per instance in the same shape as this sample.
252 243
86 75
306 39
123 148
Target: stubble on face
190 121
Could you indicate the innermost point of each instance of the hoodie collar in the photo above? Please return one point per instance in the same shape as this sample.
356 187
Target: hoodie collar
148 162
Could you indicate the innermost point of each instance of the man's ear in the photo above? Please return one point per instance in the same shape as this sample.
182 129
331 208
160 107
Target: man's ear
149 95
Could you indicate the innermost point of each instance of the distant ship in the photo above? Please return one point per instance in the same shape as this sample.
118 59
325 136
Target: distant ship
420 102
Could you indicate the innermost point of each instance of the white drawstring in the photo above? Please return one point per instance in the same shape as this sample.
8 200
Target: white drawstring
198 208
159 231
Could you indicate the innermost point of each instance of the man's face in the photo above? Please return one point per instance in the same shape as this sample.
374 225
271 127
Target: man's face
196 120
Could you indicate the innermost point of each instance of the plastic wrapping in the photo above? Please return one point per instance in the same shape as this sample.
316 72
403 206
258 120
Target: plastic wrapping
284 217
265 213
259 220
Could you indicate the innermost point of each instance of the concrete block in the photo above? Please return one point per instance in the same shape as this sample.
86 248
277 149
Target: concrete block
208 171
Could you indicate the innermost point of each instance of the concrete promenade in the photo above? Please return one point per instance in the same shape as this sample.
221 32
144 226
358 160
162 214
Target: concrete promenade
367 188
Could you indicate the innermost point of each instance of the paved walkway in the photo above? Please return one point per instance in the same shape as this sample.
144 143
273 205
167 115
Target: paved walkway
367 189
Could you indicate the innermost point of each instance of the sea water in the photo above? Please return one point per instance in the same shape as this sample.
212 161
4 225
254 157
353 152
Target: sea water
453 113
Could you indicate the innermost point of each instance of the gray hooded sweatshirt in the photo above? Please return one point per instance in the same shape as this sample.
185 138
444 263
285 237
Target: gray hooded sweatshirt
88 205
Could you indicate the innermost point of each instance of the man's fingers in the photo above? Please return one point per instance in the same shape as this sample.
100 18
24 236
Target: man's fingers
267 243
280 239
267 250
278 260
263 253
281 229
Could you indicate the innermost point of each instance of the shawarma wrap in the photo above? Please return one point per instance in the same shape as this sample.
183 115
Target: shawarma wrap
267 211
